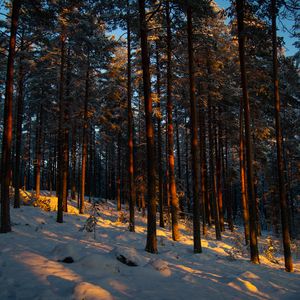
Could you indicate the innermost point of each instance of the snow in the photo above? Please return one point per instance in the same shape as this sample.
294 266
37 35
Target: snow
31 264
88 291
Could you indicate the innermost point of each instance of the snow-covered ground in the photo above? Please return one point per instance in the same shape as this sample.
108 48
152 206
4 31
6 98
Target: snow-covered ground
31 264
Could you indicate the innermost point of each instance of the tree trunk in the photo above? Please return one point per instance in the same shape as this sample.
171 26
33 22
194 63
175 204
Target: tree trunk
243 178
159 144
84 139
7 124
213 175
20 104
38 153
119 175
203 169
187 182
194 137
218 134
279 142
130 131
172 182
249 153
73 158
151 245
60 147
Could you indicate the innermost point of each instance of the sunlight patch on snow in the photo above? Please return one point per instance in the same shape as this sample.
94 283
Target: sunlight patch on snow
42 267
119 286
88 291
247 287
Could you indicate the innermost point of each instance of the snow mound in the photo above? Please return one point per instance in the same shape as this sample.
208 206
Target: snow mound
88 291
161 266
98 263
129 256
60 252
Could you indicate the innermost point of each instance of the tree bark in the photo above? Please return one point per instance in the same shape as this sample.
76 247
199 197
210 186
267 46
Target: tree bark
84 138
194 137
130 131
249 153
60 147
151 245
20 105
159 144
7 124
38 154
279 142
171 158
73 158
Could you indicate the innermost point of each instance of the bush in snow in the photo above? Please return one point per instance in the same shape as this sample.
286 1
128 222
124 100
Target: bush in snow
43 203
270 251
237 249
91 223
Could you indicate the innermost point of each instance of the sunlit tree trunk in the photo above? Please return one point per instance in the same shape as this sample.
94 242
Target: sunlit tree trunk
279 142
194 137
249 155
151 245
7 123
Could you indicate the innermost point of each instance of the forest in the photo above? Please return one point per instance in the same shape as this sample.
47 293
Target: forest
162 135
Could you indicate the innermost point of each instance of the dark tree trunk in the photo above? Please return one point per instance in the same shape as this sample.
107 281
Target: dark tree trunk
159 144
243 178
213 179
73 158
213 175
219 169
279 142
38 153
27 156
118 181
151 245
20 104
84 138
7 124
178 151
203 169
249 153
130 131
194 137
171 158
60 147
187 182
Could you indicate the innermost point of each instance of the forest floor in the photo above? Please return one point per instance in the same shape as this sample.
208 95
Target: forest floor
31 264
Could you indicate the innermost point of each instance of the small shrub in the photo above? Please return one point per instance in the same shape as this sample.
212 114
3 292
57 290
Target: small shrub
43 203
91 222
270 251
